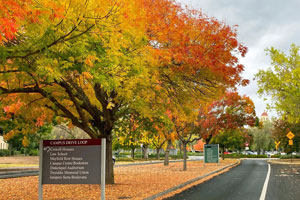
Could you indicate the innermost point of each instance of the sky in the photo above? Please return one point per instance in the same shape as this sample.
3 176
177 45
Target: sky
261 24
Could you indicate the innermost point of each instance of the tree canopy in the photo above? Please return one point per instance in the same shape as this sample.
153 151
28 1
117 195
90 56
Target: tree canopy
89 63
281 82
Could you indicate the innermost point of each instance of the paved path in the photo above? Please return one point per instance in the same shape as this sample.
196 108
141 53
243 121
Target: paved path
284 182
244 182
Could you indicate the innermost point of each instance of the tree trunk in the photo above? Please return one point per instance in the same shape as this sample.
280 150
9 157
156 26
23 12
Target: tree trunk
109 168
184 155
132 152
145 151
166 161
157 151
207 140
180 147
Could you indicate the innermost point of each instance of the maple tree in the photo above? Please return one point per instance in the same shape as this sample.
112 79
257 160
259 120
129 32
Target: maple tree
231 112
88 63
281 82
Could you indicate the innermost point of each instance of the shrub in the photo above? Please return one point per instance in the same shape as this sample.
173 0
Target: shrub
289 156
4 152
235 155
15 152
33 152
275 156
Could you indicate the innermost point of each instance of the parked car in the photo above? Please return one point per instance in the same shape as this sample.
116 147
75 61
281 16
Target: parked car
251 153
114 159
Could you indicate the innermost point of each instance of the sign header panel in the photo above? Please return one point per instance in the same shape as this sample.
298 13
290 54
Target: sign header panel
71 161
74 142
211 153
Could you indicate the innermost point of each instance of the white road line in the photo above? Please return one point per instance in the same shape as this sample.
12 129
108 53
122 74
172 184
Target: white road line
264 190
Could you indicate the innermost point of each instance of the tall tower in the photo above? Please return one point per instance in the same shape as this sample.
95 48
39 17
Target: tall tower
264 117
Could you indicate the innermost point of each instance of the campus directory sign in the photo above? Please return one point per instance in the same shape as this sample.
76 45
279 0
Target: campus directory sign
211 153
71 161
77 161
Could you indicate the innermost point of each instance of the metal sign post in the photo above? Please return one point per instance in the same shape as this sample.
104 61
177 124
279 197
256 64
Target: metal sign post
290 135
41 171
103 155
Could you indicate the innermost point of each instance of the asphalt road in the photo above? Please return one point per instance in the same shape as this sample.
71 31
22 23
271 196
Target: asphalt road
284 182
246 182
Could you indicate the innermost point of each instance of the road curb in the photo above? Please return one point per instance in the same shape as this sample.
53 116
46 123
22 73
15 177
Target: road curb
150 163
282 163
153 197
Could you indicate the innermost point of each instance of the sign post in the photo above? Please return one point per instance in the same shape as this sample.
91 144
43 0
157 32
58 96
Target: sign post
103 157
290 135
211 153
75 161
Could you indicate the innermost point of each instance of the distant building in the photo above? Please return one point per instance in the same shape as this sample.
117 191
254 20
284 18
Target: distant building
3 144
264 117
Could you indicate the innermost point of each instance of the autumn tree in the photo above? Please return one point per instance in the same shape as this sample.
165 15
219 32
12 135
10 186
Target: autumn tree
281 82
231 112
128 132
186 130
158 140
82 66
87 63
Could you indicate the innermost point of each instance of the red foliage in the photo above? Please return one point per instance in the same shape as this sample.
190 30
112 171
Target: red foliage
232 111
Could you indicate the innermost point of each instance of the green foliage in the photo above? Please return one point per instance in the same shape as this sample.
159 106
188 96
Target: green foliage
4 152
281 128
289 156
262 140
33 152
281 82
232 139
235 155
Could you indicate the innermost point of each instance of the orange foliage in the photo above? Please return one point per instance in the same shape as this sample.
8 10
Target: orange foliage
14 13
199 146
189 42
